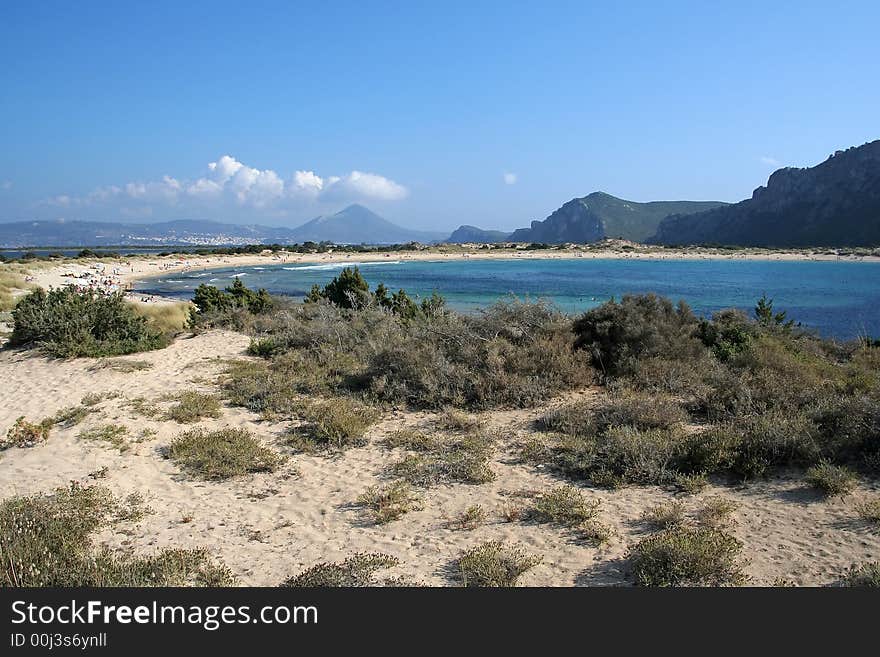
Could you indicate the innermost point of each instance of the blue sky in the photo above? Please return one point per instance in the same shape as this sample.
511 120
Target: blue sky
432 114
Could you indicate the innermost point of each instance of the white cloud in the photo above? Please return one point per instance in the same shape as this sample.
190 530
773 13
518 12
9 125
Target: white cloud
770 161
510 178
228 182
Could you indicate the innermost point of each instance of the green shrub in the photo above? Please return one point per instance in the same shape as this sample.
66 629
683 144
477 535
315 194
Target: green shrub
387 503
67 323
494 564
217 455
26 434
687 556
211 303
45 540
832 480
665 514
347 290
336 424
565 506
356 571
451 460
192 406
616 334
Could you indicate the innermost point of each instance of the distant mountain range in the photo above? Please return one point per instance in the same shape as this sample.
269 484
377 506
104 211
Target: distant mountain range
592 218
835 203
353 225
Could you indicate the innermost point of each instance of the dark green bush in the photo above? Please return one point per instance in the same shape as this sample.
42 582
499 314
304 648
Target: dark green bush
616 334
68 323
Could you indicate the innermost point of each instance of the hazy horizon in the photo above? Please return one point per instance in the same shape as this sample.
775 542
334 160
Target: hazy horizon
432 117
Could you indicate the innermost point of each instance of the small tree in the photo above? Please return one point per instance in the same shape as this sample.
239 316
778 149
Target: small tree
766 317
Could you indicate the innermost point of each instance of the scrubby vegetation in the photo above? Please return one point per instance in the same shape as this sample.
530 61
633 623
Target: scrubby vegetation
565 505
191 406
865 575
387 503
337 425
45 540
68 323
469 519
687 555
510 355
222 454
26 434
494 564
113 434
213 306
356 571
664 514
832 480
445 459
763 393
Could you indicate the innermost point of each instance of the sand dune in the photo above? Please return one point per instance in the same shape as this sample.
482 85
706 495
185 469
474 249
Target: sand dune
267 527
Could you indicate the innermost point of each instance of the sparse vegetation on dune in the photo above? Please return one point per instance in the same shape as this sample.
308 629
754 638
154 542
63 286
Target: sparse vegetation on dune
687 555
221 454
387 503
26 434
357 571
447 459
494 564
45 540
191 406
866 575
336 425
167 317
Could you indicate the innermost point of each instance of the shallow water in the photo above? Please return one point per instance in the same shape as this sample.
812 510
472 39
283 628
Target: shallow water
839 299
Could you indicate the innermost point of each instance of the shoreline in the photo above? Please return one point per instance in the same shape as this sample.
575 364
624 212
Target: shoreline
125 272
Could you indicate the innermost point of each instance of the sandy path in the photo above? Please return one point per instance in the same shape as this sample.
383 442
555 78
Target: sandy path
270 526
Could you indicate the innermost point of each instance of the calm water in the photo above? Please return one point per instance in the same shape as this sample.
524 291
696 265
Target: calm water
840 299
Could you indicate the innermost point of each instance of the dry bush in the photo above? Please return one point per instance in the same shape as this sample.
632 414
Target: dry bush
664 514
217 455
449 460
45 540
832 480
687 556
192 406
387 503
114 434
564 505
336 424
356 571
717 512
866 575
494 564
469 519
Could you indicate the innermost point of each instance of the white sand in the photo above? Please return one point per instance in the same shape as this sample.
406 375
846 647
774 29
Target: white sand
268 527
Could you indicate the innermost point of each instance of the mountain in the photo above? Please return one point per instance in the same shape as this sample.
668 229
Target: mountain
835 203
353 225
599 215
358 225
465 234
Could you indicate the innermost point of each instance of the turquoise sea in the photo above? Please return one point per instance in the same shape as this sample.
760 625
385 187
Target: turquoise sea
839 299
